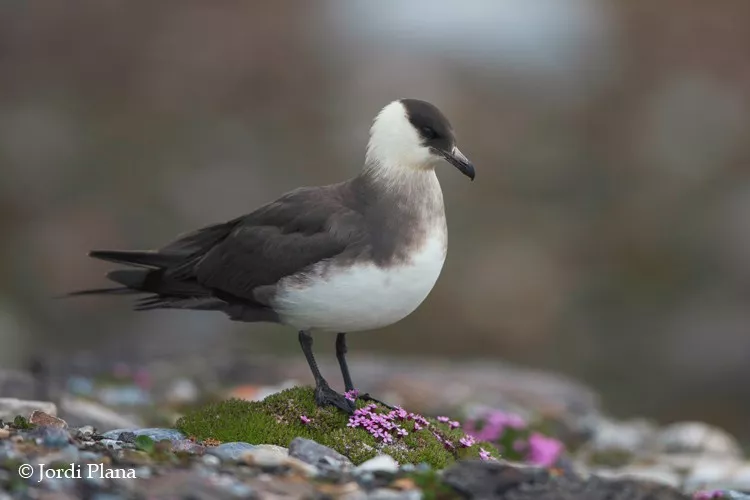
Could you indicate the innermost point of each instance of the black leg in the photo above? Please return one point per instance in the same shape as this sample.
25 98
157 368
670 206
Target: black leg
324 395
348 384
341 356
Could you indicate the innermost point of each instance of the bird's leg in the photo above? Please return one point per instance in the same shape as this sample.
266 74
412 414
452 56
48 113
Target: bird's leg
324 395
341 351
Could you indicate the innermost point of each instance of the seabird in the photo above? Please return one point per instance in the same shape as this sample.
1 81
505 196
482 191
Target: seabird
358 255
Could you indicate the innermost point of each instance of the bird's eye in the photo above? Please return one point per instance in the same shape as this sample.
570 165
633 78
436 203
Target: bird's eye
429 132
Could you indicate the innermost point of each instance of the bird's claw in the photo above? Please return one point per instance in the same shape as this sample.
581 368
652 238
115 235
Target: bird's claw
366 397
325 396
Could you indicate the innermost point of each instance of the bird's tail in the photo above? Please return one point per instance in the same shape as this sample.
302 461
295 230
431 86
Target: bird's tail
150 277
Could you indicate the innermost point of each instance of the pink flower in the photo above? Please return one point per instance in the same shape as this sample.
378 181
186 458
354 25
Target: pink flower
444 420
401 432
494 425
708 495
467 441
519 445
484 454
544 450
305 419
417 427
455 424
351 395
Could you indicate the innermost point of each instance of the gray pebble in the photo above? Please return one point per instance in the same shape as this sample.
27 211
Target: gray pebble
386 494
231 451
155 433
85 432
264 458
699 438
381 463
126 437
111 444
211 460
318 455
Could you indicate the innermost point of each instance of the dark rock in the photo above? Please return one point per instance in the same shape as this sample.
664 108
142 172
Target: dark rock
488 479
318 455
495 480
127 437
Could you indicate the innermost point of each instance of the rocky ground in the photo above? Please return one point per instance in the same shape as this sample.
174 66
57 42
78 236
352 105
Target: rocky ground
110 432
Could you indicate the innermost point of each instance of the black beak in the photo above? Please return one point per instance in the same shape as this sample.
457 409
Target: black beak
458 160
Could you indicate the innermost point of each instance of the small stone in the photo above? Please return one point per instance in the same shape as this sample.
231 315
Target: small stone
300 467
43 419
187 446
85 432
318 455
699 438
386 494
263 458
112 444
381 463
348 490
231 452
211 461
127 437
404 483
156 433
632 436
654 473
12 407
279 450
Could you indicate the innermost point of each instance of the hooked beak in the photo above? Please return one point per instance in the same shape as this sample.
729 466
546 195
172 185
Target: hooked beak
458 160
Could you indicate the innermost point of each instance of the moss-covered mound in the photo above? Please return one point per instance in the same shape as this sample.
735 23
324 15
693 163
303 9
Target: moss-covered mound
293 413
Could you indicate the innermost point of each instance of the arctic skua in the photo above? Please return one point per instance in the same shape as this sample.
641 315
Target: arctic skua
358 255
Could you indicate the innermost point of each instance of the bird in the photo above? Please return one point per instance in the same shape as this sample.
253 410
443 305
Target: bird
357 255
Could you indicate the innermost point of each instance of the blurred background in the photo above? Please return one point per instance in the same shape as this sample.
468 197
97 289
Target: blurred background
607 236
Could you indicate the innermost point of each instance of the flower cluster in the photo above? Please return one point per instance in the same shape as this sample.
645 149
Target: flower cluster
709 495
305 419
385 426
514 438
495 424
467 441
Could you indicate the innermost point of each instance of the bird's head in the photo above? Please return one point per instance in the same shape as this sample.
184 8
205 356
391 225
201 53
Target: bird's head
413 134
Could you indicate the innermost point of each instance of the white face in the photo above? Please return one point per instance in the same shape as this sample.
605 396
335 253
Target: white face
395 143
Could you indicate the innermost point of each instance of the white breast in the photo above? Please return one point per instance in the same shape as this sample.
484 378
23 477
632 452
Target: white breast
365 296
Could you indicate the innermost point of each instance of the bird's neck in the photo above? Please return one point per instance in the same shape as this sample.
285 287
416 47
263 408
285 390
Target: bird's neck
409 189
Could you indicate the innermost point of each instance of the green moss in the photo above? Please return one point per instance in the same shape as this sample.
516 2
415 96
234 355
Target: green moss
276 420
